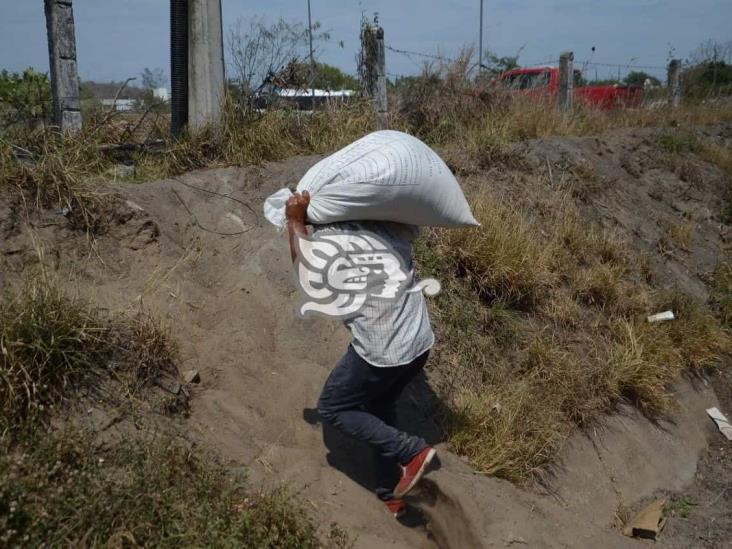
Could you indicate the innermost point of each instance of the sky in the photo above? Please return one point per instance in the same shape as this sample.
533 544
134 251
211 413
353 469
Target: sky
117 40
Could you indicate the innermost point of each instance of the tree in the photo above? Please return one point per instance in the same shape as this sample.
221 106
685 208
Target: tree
260 51
710 71
495 65
153 78
297 75
24 97
712 51
332 78
639 78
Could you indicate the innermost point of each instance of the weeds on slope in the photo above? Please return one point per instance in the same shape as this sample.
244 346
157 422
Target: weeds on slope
65 171
503 259
542 324
684 140
54 347
722 290
68 490
61 486
246 137
53 171
480 122
483 121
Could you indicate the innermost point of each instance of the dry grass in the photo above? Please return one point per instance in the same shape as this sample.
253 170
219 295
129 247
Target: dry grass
56 347
542 319
65 172
503 259
444 106
722 290
488 132
698 336
246 137
642 364
503 432
63 487
686 140
58 172
477 121
681 234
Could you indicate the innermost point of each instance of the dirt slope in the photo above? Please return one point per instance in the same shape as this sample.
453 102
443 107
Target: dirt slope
198 251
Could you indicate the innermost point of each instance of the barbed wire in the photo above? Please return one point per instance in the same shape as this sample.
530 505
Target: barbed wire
545 61
622 65
420 54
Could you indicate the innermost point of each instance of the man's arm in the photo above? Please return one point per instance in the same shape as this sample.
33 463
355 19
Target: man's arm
296 213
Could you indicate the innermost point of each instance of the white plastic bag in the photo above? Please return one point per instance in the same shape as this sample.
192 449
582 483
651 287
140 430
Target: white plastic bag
384 176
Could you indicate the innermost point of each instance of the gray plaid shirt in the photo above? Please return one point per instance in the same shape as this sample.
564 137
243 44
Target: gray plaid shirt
394 332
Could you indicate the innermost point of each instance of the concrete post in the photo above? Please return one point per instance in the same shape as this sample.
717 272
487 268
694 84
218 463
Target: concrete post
372 69
480 40
382 107
674 82
206 79
566 80
178 66
62 61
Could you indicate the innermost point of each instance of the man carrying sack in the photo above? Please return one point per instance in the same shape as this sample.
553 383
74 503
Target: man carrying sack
367 203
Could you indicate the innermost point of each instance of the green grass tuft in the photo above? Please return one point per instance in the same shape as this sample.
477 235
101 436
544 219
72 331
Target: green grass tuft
54 346
65 490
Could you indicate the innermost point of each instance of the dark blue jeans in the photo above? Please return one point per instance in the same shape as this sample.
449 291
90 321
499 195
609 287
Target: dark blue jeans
360 400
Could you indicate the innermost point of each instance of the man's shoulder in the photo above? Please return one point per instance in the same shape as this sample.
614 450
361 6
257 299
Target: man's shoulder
386 230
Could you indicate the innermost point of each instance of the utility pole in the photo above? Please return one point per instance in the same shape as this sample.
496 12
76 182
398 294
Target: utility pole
206 78
480 41
312 58
62 61
566 80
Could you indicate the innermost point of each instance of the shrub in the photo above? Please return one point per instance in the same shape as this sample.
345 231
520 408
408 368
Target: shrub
54 346
65 490
24 97
542 329
503 258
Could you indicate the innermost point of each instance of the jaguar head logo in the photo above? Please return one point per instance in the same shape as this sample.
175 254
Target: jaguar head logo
339 272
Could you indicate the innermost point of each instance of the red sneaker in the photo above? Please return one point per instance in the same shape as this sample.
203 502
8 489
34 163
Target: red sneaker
396 507
413 471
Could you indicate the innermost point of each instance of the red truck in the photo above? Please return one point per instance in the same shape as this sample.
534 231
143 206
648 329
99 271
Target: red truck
543 83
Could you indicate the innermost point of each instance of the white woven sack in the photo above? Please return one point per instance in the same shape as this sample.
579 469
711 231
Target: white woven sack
384 176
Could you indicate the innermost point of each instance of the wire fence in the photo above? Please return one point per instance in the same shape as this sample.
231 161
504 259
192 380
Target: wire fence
602 70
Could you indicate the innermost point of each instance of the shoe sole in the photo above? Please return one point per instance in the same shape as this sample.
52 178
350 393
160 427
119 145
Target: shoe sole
430 455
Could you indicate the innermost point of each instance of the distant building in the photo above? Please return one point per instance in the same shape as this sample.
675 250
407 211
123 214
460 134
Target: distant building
288 92
304 99
122 105
161 93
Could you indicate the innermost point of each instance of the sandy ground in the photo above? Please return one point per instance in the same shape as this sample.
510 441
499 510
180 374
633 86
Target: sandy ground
197 251
701 515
